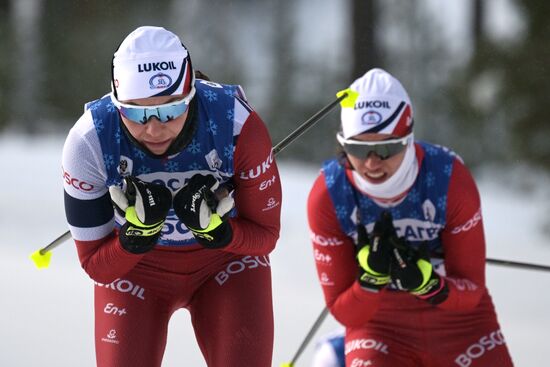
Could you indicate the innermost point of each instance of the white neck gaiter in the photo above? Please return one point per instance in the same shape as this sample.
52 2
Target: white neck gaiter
400 182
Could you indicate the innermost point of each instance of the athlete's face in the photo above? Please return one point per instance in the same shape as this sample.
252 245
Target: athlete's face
156 136
373 168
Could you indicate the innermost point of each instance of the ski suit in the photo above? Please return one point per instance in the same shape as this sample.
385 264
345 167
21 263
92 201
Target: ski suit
391 327
226 291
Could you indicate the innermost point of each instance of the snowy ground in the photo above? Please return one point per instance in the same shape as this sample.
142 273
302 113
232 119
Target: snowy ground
46 317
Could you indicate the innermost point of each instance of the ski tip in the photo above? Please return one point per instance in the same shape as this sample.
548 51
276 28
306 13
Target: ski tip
287 364
41 261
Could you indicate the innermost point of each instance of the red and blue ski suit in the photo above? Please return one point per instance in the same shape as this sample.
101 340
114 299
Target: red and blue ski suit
394 328
227 291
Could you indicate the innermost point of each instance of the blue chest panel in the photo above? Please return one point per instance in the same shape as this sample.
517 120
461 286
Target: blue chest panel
419 217
210 151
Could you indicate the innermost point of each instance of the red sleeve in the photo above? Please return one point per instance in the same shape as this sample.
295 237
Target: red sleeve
335 261
105 260
257 192
463 242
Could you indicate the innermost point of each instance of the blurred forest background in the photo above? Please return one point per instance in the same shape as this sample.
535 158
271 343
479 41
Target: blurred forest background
477 71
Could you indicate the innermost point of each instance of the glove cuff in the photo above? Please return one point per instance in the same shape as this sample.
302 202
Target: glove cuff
137 240
217 238
435 291
372 282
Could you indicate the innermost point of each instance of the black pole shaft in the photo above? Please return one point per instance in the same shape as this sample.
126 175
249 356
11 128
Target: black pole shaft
310 334
516 264
58 241
306 125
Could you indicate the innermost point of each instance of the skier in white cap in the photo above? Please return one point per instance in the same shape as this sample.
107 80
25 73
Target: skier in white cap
397 230
143 171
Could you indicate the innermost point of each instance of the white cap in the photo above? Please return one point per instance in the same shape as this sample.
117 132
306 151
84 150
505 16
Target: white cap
151 61
382 106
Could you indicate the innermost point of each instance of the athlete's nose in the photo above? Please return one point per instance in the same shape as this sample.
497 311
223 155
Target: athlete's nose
373 161
153 126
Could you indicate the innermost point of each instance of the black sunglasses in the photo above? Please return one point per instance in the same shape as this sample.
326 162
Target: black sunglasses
384 148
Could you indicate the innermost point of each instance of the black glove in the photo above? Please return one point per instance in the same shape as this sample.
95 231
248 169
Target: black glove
198 208
374 255
412 271
145 206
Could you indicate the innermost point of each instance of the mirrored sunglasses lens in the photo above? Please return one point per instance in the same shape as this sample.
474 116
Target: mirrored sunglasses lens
164 114
137 115
168 113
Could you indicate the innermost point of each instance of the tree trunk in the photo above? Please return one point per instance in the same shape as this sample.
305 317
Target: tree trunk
365 46
478 14
26 106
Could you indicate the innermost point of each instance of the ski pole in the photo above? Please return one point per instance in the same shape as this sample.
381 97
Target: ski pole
42 257
311 121
517 264
308 337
